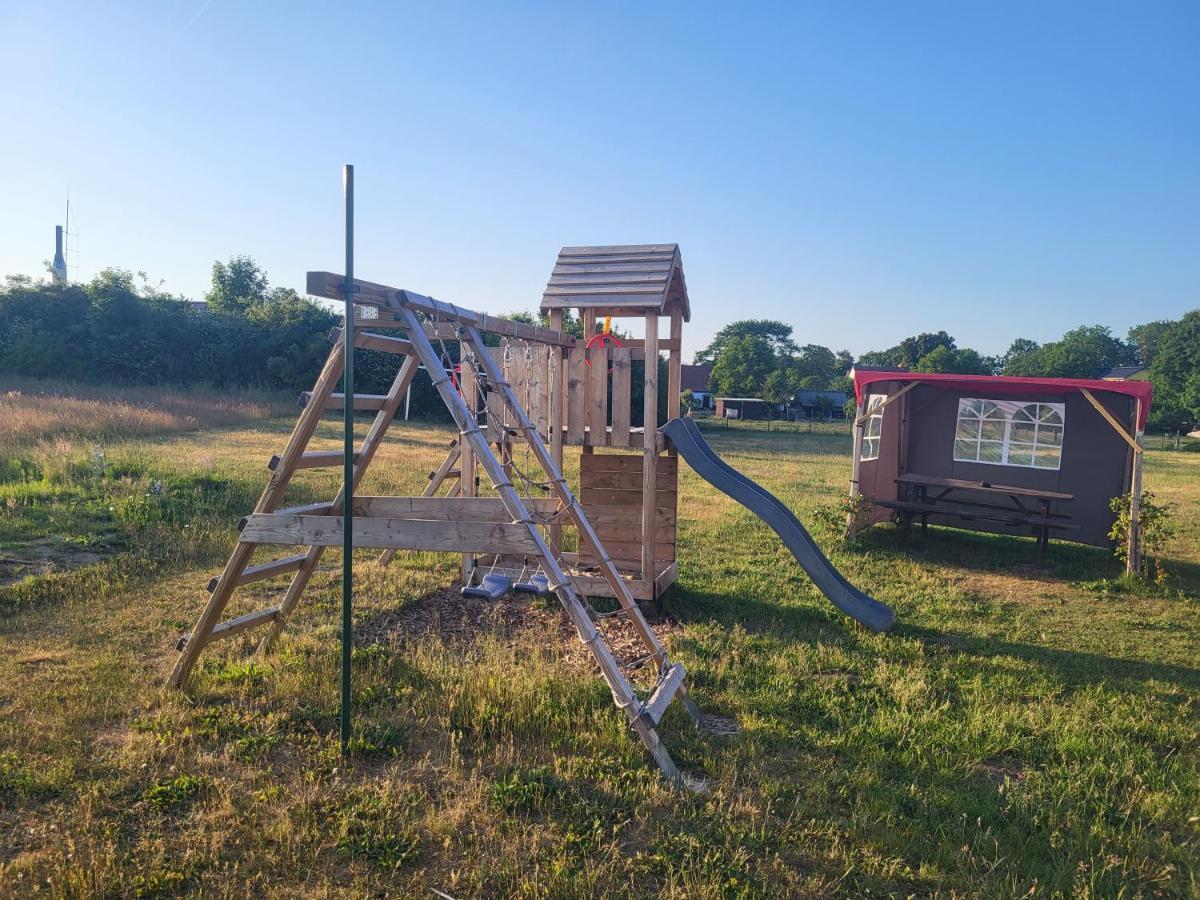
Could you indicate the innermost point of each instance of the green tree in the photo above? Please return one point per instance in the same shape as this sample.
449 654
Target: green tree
1017 350
1175 375
236 286
742 366
964 361
1080 353
776 335
909 351
1146 338
813 367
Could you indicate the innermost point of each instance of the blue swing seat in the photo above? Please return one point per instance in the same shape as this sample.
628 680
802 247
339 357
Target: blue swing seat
538 584
492 587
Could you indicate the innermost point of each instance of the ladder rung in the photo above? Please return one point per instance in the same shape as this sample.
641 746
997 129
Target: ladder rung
338 401
611 614
369 341
653 709
230 627
314 460
263 571
640 661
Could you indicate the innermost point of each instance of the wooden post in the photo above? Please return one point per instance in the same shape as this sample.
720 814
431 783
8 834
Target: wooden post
650 451
855 490
556 414
1133 556
588 316
466 463
675 365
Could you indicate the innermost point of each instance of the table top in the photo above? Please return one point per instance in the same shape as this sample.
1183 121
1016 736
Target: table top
1009 490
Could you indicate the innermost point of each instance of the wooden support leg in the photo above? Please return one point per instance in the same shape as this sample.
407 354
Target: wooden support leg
370 444
269 500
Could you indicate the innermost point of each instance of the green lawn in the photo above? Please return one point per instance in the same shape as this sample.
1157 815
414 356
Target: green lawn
1027 728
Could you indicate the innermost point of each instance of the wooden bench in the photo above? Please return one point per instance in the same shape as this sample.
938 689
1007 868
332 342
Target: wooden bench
1041 525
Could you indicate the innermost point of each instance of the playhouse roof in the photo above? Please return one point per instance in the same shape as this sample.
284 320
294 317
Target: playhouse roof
627 278
1007 385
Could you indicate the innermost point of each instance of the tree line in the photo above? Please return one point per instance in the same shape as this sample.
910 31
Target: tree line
760 358
119 327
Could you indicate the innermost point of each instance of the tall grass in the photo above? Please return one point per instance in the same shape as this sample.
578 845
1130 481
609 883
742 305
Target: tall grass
33 410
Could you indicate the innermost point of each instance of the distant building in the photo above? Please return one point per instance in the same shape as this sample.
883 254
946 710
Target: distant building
1124 373
200 306
819 404
743 408
695 379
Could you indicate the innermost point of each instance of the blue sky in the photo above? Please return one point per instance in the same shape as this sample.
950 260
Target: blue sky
861 171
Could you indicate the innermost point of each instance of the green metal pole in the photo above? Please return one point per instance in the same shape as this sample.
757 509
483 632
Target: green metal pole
348 463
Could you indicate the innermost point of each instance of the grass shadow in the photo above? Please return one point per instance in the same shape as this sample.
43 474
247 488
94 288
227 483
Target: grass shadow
1074 667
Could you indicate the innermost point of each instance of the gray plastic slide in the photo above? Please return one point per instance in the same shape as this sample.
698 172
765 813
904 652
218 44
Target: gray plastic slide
691 445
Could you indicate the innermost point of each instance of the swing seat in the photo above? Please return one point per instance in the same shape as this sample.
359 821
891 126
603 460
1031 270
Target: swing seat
492 587
539 584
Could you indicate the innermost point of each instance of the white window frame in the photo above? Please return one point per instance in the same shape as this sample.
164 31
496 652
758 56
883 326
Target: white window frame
872 429
1023 435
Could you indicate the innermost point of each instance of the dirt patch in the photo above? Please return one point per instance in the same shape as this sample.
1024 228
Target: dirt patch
1001 772
44 556
458 620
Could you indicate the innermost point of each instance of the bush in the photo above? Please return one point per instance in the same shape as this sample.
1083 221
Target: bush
1155 529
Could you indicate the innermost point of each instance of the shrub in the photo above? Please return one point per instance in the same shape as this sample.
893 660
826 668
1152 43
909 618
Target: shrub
1154 527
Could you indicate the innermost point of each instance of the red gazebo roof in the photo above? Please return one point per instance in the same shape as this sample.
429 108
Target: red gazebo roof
1009 385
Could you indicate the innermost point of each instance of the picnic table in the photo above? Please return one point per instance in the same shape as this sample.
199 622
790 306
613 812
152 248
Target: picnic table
923 495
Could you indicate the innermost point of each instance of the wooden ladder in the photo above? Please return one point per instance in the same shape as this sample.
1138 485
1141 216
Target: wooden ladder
644 716
237 571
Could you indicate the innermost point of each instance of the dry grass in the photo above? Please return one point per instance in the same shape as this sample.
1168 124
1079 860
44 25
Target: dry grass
1028 728
32 411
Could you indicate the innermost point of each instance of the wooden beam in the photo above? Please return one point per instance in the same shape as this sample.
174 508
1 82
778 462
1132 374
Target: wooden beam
384 533
650 448
449 509
674 365
656 705
1133 556
329 285
557 413
1108 417
888 401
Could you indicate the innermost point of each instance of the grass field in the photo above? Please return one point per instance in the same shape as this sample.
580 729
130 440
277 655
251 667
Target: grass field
1029 728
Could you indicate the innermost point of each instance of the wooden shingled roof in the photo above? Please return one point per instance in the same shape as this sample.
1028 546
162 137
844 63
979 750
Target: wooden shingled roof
629 279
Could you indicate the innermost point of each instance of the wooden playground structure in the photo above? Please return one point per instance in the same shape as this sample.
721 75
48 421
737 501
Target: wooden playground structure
518 407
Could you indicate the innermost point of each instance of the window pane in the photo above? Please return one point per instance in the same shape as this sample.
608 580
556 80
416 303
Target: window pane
1050 435
870 448
1047 458
992 411
991 451
968 407
874 426
967 428
1020 454
991 430
1023 432
1050 414
966 451
1026 413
